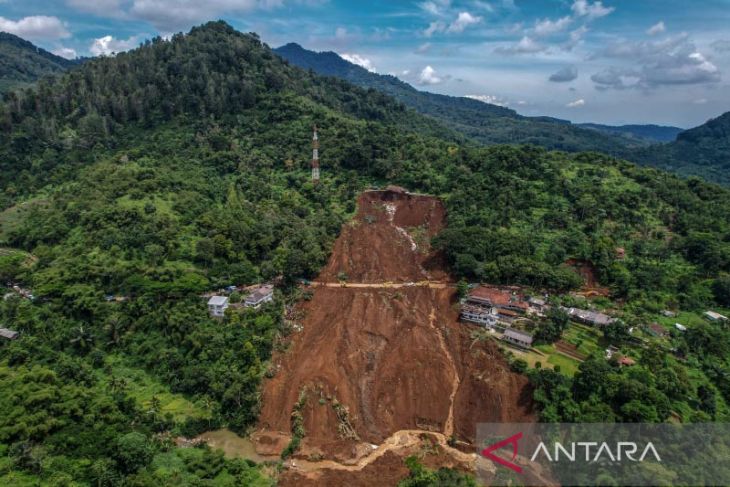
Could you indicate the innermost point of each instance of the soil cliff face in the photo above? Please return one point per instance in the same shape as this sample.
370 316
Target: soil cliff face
382 362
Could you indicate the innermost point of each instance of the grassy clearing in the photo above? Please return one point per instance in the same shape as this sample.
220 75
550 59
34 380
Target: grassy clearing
586 339
143 387
568 366
548 357
162 206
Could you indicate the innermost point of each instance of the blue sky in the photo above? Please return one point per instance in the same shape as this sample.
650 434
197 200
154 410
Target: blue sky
610 61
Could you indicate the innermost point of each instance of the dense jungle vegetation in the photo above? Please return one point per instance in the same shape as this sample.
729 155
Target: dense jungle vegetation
182 166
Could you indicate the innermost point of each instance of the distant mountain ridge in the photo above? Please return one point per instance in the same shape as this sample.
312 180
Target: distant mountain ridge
701 151
649 132
484 122
21 62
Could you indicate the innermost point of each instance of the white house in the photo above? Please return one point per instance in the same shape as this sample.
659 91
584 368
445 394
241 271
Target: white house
217 306
517 337
480 315
259 296
8 334
713 316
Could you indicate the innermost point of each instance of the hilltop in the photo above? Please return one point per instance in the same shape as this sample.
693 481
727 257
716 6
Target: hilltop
702 151
141 182
22 63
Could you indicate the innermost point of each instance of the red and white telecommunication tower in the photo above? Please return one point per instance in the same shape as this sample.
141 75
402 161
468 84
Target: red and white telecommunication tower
315 156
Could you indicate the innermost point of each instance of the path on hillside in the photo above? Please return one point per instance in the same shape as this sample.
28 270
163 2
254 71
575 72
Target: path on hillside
382 285
449 425
397 441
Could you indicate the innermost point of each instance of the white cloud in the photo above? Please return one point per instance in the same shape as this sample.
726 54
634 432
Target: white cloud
549 27
595 10
576 36
429 77
577 103
564 74
341 33
106 8
657 28
526 45
434 27
435 7
359 60
617 78
491 99
670 61
463 20
700 101
65 52
423 48
36 27
104 46
174 15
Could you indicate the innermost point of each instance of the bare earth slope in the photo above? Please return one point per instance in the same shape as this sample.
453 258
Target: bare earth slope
382 364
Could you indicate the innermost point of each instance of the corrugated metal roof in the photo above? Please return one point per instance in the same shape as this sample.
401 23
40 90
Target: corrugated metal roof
217 300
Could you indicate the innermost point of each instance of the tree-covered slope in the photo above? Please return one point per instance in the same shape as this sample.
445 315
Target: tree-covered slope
702 151
22 63
183 165
483 122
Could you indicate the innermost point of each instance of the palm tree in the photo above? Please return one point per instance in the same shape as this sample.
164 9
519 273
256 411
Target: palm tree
83 340
113 328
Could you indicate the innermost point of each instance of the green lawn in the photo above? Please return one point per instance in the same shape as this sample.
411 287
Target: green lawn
586 338
142 387
568 366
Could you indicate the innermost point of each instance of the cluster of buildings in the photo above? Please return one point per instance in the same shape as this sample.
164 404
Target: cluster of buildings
257 295
498 308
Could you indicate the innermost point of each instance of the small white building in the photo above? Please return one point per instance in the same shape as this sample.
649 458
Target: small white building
259 296
8 334
217 306
713 316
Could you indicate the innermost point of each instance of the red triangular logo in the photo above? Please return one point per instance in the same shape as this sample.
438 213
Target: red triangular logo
512 440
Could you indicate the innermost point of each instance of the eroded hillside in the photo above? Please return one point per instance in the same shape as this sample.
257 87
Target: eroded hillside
381 360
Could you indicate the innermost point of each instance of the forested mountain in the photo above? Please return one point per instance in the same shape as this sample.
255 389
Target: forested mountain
182 166
21 62
653 133
483 122
701 151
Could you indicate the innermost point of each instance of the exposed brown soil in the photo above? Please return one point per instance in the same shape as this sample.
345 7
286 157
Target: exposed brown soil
569 349
587 271
381 360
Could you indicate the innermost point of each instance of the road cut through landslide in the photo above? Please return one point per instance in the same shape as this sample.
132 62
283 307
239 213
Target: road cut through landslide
381 367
